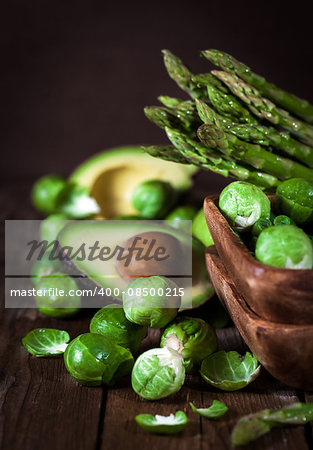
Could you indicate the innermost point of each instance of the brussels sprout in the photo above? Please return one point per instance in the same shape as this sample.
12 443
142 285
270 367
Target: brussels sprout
285 246
179 215
94 360
200 229
111 322
230 371
283 220
243 204
294 198
163 424
52 303
260 225
151 301
75 202
45 192
193 338
153 199
158 373
46 342
44 266
51 226
216 410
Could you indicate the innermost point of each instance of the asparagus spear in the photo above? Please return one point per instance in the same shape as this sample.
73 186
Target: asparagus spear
166 152
213 136
170 102
258 134
203 79
210 159
184 117
252 426
181 75
264 108
295 105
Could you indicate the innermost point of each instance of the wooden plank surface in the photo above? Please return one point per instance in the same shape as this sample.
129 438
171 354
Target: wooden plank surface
41 406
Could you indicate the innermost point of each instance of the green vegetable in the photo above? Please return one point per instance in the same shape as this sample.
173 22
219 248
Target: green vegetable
182 213
45 192
151 301
94 360
52 303
283 220
162 424
193 338
200 229
230 371
252 426
111 322
260 225
216 410
46 342
285 246
153 198
295 199
75 202
51 226
282 98
44 266
243 204
158 373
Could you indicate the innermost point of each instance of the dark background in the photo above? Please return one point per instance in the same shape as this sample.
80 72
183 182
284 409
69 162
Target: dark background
76 75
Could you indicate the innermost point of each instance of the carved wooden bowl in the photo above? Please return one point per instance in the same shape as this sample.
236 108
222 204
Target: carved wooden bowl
278 295
284 349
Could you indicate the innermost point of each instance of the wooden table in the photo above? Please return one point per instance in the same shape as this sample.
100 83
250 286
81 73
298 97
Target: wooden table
42 407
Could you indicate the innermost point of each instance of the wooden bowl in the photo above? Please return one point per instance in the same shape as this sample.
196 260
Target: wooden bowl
285 350
279 295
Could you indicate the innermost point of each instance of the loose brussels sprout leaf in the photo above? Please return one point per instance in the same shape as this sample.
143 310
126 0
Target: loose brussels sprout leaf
111 322
252 426
46 342
155 311
158 373
285 246
94 360
75 202
243 204
230 371
216 410
294 198
162 424
153 198
193 338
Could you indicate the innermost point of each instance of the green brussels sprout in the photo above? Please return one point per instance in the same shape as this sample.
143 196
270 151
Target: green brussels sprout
200 229
285 246
193 338
179 215
158 373
94 360
283 220
162 424
260 225
243 204
111 322
44 266
52 303
51 226
294 198
153 199
45 192
75 202
151 301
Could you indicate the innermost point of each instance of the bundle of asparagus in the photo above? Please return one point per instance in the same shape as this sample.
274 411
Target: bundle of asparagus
234 124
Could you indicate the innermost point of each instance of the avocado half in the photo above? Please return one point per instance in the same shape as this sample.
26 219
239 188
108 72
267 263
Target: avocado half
112 175
111 234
